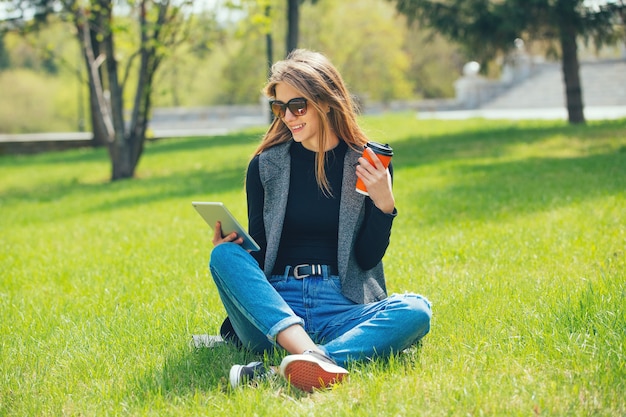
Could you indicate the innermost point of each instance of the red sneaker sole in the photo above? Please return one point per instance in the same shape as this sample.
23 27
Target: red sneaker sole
308 376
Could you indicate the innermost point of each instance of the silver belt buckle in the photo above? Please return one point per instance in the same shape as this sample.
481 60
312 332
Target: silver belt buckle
296 274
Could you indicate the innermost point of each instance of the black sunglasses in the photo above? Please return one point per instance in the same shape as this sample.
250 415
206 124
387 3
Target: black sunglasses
297 107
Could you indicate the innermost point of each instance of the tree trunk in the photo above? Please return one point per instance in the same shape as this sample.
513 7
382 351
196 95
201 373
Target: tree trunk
97 125
122 161
99 109
149 63
5 59
571 73
269 43
125 141
269 51
293 21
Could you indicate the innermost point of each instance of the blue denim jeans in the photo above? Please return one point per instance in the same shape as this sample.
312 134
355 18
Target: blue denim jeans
259 308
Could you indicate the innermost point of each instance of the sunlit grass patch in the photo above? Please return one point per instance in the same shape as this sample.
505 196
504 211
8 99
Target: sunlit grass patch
515 231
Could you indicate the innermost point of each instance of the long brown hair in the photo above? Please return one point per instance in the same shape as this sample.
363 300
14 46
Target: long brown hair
315 77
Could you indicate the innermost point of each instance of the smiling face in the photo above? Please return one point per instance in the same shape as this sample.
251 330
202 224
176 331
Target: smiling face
306 129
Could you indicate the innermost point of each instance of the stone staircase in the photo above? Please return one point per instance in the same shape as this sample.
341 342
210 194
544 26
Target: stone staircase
603 84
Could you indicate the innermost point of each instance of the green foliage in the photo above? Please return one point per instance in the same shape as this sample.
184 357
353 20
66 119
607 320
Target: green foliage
486 28
40 89
367 48
225 62
28 110
434 64
244 75
514 230
365 39
52 49
5 60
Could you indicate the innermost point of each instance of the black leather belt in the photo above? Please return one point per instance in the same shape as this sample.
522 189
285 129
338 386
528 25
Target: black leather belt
311 270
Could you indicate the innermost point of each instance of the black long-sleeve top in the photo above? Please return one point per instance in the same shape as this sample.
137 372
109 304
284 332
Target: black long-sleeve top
312 219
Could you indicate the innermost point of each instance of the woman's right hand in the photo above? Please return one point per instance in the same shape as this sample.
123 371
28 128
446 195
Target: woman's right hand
218 239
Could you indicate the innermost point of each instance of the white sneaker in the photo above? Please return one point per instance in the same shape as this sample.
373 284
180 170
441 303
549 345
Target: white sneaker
311 370
246 374
200 341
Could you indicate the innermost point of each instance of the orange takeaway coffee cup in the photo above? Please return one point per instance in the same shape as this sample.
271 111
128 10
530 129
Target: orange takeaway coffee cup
383 152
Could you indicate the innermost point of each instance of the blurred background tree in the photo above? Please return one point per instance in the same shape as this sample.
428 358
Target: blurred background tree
119 115
487 28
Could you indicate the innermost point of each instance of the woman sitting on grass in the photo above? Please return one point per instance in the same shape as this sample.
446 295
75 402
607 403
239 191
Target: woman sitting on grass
316 288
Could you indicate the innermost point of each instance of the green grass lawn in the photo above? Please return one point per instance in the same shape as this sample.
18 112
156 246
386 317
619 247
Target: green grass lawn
516 232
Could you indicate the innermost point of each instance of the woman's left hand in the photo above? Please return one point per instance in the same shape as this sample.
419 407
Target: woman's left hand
219 239
377 179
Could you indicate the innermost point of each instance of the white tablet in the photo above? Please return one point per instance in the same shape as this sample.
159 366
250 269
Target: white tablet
212 212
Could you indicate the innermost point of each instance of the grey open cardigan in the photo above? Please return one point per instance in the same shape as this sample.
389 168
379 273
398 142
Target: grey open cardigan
357 284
